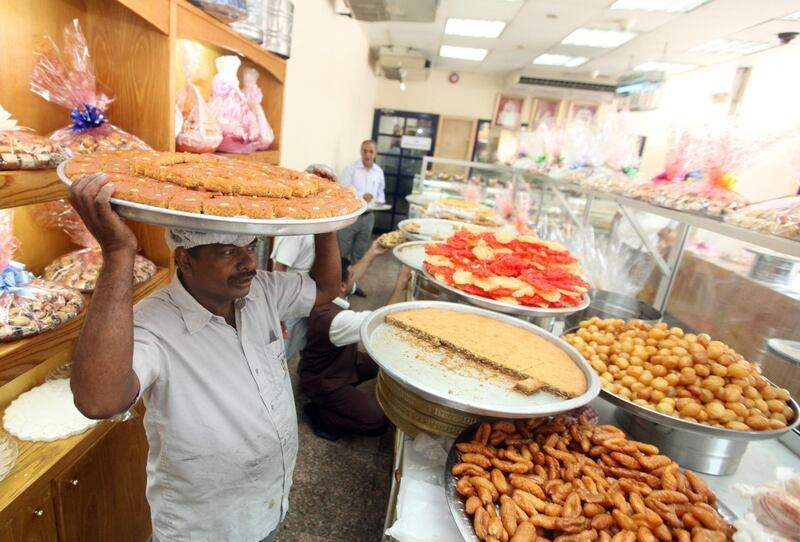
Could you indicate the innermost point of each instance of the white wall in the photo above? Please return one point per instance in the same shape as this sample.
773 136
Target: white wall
330 89
473 96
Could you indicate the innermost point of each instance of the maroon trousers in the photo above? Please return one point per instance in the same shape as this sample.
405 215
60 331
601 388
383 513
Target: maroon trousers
329 375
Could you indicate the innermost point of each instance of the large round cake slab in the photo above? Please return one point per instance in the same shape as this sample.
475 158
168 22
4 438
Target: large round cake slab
225 224
469 388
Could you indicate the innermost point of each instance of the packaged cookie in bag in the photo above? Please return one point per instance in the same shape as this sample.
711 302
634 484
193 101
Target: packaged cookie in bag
28 305
254 96
20 148
231 109
64 75
199 131
80 269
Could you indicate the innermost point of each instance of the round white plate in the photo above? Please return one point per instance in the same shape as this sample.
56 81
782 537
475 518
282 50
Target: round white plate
437 229
224 224
412 253
418 199
468 389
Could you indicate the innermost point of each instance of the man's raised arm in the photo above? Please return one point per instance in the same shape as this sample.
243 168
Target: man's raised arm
103 381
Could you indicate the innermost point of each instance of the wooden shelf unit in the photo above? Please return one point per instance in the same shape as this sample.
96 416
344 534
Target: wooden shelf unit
135 51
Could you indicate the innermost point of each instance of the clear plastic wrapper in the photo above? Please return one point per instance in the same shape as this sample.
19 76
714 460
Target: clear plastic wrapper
20 148
254 97
779 216
199 131
681 146
580 141
65 76
9 451
618 144
775 509
80 269
541 150
231 109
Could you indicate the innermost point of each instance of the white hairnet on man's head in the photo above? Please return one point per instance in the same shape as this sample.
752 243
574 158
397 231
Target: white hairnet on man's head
190 239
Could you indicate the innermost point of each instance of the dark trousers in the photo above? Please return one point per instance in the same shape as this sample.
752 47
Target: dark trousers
349 410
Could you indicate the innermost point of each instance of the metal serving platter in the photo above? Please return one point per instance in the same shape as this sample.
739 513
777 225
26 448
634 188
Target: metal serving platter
468 389
677 423
436 227
786 349
412 253
224 224
456 502
507 308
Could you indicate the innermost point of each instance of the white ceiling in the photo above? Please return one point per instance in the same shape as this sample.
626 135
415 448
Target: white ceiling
538 26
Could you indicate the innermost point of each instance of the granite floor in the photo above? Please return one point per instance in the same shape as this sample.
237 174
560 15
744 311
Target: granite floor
341 488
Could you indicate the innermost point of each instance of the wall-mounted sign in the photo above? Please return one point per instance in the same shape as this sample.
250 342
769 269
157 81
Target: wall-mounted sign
416 143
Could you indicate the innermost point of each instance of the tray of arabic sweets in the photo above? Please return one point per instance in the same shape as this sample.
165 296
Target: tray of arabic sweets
566 480
506 272
477 361
207 192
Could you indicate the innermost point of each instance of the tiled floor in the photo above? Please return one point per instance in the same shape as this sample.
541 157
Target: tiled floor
341 488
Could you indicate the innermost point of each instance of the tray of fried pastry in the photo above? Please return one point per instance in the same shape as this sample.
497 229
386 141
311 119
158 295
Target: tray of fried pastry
218 194
477 361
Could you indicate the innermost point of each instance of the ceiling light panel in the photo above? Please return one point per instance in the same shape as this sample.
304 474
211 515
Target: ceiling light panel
463 53
792 17
595 37
667 6
474 28
560 60
666 67
730 47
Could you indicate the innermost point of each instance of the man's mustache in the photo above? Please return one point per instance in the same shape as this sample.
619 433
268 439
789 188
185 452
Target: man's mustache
240 276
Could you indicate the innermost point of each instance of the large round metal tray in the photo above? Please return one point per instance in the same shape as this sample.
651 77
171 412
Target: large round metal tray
469 389
454 501
412 253
507 308
436 227
684 425
224 224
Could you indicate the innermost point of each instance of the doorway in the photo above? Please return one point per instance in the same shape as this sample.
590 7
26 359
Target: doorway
403 138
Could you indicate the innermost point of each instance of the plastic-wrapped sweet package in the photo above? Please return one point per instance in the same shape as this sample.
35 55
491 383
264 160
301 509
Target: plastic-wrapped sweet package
64 75
9 451
579 145
775 509
779 216
541 149
28 305
620 144
229 105
20 148
679 161
199 131
80 269
254 96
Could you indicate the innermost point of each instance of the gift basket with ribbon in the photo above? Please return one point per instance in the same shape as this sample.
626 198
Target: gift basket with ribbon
21 148
80 269
28 305
199 131
230 106
254 96
64 75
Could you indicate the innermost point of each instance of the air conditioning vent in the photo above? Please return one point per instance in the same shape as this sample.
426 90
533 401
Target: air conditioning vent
527 80
410 11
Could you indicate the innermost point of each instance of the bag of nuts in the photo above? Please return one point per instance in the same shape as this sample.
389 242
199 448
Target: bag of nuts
29 305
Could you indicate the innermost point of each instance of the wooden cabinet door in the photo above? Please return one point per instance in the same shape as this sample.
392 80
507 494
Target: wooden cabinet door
34 520
101 496
454 139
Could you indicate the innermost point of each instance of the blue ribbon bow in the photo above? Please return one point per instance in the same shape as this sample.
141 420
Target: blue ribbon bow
86 118
14 276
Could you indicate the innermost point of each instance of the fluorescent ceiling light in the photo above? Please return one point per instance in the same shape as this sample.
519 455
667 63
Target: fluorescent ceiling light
594 37
475 28
792 17
463 53
668 6
730 47
560 60
666 67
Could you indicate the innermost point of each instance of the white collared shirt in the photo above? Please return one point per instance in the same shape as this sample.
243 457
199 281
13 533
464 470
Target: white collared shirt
364 181
346 326
220 421
295 252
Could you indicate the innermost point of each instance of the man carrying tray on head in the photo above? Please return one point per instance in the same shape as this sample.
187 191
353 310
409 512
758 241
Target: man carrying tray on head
207 357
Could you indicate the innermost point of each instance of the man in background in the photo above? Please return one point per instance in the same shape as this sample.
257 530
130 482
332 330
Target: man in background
331 366
365 177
